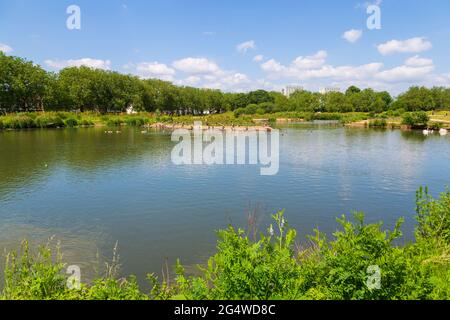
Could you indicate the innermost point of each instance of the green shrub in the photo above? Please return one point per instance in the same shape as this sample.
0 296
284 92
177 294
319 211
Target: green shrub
18 122
63 115
238 112
71 122
435 126
113 289
49 121
260 111
433 216
378 123
336 269
33 276
164 118
114 122
242 269
251 109
136 121
86 122
416 119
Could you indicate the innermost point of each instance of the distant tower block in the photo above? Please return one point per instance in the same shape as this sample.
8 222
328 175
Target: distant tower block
290 90
329 89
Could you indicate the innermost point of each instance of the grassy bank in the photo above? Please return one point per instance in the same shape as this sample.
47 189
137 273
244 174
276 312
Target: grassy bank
391 119
274 266
69 119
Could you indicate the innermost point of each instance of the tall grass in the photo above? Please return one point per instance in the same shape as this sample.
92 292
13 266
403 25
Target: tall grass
378 123
71 120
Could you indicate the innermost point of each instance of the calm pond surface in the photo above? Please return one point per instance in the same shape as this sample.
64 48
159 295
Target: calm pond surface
91 189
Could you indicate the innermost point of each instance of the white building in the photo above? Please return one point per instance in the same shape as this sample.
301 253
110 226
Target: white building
130 110
290 90
329 89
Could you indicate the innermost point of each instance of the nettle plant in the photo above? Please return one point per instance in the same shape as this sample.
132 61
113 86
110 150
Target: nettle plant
246 269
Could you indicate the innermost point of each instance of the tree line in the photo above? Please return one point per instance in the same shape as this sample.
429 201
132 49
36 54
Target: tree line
25 86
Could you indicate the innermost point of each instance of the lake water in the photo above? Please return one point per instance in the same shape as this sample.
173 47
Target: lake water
90 189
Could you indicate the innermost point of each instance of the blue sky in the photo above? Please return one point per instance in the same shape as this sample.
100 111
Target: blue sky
239 45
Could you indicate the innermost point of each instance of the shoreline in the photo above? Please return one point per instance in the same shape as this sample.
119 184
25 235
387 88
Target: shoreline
165 126
392 125
223 121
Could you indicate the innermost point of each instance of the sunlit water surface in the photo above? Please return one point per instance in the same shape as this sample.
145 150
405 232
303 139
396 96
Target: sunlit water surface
90 190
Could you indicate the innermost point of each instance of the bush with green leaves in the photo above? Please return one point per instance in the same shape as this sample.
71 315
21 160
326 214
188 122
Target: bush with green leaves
71 122
136 121
435 126
49 121
416 119
242 269
20 121
378 123
273 267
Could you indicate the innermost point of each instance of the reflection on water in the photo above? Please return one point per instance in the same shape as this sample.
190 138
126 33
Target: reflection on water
91 189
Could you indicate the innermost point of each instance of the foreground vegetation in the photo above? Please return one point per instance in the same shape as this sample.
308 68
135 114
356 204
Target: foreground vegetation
273 266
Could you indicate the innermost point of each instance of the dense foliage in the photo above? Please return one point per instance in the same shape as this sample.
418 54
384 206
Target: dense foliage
25 86
274 265
418 119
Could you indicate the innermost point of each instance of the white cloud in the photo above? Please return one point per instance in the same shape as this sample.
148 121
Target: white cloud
301 68
300 63
205 73
273 66
440 80
413 45
404 74
417 61
5 48
88 62
367 4
342 72
196 66
258 58
230 81
314 70
415 69
245 46
309 62
155 70
352 35
189 81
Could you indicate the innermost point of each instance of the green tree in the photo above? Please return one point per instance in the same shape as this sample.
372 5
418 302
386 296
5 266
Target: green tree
259 96
23 85
352 90
336 102
416 99
304 101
